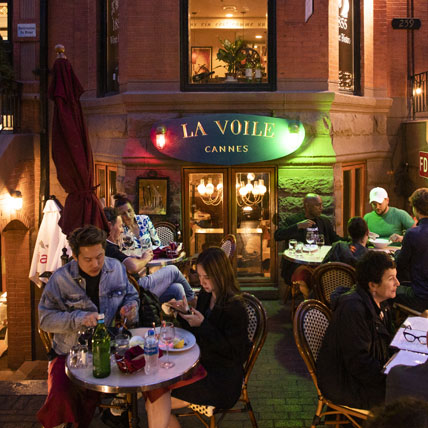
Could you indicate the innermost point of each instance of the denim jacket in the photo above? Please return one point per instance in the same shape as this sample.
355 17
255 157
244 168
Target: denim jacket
64 302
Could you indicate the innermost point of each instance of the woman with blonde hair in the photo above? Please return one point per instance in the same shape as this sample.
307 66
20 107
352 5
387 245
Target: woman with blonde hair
219 324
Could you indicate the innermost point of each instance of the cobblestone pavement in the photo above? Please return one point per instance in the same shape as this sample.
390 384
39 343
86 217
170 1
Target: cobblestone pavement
280 389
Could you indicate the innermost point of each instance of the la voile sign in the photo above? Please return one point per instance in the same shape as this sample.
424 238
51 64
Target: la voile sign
227 139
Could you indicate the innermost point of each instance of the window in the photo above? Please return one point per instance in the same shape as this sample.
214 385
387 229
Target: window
109 52
5 28
105 179
353 192
349 45
225 46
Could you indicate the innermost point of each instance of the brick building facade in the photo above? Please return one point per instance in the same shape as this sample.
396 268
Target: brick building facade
347 133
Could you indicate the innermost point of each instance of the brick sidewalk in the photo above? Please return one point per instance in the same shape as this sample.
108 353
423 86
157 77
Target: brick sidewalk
280 389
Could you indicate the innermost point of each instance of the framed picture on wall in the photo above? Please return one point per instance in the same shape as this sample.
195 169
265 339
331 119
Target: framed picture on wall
201 59
152 195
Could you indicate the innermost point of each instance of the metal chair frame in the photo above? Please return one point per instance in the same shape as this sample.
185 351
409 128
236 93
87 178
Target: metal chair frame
328 276
309 326
257 334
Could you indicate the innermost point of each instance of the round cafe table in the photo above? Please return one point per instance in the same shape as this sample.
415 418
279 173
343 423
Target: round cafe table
185 361
313 258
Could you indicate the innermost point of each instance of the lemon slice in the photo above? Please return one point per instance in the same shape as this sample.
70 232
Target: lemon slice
178 343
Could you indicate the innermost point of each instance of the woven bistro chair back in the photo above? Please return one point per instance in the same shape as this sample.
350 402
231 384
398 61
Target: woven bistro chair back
166 232
228 245
310 324
327 277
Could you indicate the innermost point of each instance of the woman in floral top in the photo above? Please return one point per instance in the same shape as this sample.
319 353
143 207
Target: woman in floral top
139 232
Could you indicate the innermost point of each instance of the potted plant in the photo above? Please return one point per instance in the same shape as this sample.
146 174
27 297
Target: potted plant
232 55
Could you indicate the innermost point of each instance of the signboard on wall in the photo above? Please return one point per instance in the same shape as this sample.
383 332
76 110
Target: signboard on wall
346 45
423 164
227 139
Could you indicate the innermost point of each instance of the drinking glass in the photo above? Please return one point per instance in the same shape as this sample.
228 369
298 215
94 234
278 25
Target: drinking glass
320 241
167 334
299 248
292 245
121 342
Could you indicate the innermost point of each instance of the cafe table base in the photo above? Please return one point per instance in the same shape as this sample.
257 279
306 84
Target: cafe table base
186 362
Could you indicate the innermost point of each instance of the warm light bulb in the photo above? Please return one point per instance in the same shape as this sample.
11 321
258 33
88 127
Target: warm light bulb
201 187
262 187
242 189
251 176
17 200
209 188
219 187
418 90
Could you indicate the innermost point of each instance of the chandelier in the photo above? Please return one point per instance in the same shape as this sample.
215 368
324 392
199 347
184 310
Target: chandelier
209 194
251 193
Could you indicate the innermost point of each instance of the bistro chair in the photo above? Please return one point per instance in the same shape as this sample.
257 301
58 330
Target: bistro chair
328 276
228 245
310 324
166 231
257 332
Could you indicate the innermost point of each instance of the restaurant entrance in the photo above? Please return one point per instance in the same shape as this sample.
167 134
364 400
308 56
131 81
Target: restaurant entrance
238 201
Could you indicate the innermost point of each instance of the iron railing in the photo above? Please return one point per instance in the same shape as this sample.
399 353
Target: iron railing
10 105
420 99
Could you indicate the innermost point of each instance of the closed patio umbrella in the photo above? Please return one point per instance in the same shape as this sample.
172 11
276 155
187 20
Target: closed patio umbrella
72 152
49 244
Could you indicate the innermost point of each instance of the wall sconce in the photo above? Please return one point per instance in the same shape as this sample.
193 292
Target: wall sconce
160 137
16 199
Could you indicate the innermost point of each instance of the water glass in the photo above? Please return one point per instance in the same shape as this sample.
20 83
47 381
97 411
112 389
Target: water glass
78 357
299 248
292 245
121 342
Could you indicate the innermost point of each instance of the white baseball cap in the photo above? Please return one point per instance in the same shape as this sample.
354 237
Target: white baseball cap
378 194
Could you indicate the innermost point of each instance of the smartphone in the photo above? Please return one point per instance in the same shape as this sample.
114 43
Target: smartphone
181 311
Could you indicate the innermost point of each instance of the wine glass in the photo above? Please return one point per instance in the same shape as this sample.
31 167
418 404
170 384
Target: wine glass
167 334
320 241
292 245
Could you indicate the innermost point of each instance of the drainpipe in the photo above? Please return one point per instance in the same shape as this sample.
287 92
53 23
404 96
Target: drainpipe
44 117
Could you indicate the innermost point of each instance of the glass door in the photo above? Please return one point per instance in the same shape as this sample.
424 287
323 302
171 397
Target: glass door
253 203
240 201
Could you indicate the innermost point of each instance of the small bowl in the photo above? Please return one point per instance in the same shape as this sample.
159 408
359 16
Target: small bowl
380 242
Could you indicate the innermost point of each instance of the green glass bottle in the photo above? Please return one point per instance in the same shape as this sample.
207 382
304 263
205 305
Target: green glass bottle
101 349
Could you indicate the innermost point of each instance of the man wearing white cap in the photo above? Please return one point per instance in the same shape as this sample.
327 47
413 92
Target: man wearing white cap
388 222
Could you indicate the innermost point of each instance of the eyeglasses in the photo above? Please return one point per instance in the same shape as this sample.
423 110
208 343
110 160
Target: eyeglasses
411 337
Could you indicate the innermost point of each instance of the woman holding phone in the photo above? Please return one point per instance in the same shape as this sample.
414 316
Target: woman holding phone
219 324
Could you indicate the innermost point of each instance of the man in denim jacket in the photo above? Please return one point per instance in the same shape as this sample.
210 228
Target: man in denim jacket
73 297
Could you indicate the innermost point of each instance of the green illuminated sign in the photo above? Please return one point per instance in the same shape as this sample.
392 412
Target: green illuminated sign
227 139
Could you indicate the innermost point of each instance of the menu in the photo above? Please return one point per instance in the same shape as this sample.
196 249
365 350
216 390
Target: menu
410 353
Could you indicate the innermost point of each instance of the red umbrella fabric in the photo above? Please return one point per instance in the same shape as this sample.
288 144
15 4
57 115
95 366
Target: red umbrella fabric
72 152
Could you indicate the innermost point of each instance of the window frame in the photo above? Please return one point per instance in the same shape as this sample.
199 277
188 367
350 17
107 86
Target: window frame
186 86
353 209
102 69
356 52
107 168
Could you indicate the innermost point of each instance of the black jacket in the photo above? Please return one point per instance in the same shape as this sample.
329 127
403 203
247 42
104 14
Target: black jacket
224 343
345 252
354 350
288 230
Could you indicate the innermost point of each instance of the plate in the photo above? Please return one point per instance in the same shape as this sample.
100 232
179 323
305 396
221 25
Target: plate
189 340
310 248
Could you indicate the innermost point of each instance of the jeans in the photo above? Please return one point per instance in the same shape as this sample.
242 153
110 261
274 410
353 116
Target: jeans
167 283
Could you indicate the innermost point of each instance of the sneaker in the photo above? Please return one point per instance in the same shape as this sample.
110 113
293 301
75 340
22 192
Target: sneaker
115 421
